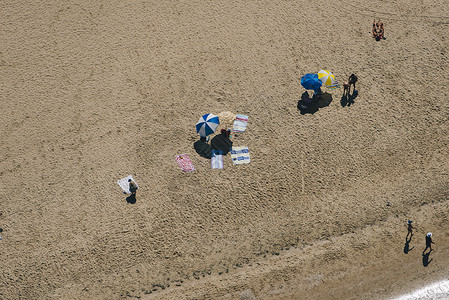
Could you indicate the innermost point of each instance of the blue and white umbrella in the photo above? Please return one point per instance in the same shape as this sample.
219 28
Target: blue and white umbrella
310 81
207 124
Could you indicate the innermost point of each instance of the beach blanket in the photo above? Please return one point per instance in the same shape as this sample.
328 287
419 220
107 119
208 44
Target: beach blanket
240 155
240 123
185 163
216 160
124 184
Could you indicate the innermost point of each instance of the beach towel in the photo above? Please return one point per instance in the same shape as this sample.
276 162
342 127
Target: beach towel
124 184
240 123
216 160
185 163
240 155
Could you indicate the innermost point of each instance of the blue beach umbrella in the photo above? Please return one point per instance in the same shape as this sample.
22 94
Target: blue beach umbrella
207 124
311 82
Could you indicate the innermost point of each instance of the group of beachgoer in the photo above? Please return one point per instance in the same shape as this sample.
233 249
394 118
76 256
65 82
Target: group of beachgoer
378 30
347 84
308 104
429 241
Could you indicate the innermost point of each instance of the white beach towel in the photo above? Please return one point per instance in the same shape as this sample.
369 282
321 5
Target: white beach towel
240 155
216 160
124 184
240 123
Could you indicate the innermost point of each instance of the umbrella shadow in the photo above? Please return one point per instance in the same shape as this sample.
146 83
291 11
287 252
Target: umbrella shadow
203 149
324 100
221 142
307 105
307 108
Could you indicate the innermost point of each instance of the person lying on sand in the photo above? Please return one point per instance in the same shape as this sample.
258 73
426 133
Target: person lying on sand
132 186
378 30
374 30
381 29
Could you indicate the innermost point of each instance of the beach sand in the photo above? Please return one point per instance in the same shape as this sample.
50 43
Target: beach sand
94 91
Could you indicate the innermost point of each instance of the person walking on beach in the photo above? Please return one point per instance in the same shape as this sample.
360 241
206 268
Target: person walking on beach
429 242
409 229
132 187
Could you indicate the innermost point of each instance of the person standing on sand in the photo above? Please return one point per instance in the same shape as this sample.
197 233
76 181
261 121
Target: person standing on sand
409 228
132 187
352 80
428 242
345 88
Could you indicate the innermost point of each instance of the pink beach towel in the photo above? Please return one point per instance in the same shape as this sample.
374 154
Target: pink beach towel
185 163
240 123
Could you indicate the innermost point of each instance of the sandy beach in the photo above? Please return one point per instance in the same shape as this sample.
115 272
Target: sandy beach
93 91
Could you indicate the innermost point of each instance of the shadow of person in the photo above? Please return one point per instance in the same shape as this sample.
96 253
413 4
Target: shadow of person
131 199
221 142
344 100
203 149
323 100
352 97
425 259
407 248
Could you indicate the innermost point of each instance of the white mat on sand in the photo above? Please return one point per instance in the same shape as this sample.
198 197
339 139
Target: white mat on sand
240 123
124 184
216 160
240 155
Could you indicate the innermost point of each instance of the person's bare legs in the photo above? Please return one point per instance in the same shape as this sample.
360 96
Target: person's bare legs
345 88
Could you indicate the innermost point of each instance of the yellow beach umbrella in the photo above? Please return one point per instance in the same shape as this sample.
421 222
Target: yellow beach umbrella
327 78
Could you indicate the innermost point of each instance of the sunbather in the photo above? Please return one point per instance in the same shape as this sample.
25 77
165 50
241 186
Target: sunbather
381 29
374 30
378 30
132 187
